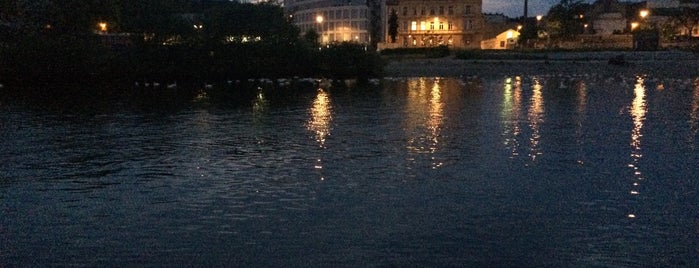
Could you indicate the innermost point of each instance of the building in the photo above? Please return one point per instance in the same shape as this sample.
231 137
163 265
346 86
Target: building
608 17
333 20
428 23
505 40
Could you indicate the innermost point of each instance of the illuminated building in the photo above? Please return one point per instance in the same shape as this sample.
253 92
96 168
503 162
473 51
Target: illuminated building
426 23
333 20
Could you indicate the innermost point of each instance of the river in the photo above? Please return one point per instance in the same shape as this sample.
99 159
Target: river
545 171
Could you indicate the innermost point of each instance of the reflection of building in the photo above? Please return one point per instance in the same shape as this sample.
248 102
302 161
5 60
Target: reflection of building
426 23
333 20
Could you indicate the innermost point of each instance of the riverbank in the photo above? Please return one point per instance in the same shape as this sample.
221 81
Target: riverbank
655 63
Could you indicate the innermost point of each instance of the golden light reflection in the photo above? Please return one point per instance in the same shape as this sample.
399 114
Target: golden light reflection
511 114
536 117
638 112
321 117
425 117
434 123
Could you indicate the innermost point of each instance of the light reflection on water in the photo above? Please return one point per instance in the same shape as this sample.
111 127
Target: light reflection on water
638 111
514 171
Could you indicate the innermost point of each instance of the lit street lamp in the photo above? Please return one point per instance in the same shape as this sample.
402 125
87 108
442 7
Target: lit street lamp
102 26
634 25
644 13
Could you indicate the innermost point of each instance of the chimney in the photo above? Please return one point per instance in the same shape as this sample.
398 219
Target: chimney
526 9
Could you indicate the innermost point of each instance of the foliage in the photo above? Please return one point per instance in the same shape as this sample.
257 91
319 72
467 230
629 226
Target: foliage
393 25
346 59
311 37
236 41
564 21
428 52
375 22
257 20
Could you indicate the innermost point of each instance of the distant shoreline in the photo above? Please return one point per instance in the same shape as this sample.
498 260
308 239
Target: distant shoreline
657 63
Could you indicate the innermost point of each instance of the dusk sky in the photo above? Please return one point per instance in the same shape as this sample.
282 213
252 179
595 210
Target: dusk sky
514 8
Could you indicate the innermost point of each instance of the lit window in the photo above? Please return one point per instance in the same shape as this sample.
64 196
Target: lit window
431 25
423 26
441 25
413 26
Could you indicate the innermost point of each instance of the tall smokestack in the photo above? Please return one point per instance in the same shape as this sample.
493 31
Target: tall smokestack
526 9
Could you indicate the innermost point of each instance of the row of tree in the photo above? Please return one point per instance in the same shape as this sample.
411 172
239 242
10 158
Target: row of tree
47 41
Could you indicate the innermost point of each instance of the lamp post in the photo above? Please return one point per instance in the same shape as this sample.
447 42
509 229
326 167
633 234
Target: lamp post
644 13
319 21
102 26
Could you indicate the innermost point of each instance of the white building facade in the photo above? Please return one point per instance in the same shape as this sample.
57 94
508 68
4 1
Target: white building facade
333 20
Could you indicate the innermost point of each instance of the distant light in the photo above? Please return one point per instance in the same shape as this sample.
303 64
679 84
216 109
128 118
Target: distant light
644 13
539 17
319 19
102 26
519 27
634 25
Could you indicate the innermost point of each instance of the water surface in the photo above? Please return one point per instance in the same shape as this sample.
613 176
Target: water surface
551 170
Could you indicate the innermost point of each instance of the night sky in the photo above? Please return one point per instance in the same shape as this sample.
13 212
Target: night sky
514 8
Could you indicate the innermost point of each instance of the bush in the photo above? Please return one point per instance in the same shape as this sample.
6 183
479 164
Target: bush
428 52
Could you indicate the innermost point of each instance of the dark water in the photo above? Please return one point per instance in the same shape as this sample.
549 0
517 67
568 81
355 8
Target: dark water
550 171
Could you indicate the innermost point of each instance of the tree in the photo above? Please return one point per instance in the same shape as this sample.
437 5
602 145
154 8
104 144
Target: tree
393 25
688 19
374 21
566 19
311 36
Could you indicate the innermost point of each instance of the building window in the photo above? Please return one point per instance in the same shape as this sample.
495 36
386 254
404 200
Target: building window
422 11
467 10
441 25
441 10
450 26
469 25
450 10
405 11
432 11
413 25
405 26
414 11
502 43
423 26
431 25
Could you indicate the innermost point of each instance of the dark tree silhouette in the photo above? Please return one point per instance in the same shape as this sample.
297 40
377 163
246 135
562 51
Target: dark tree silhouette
393 25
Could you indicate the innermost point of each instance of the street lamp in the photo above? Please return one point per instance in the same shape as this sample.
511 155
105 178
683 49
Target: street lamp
634 25
319 19
102 26
644 13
